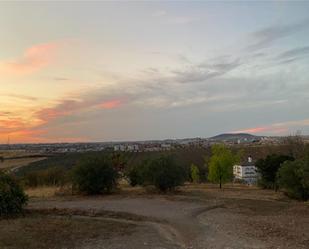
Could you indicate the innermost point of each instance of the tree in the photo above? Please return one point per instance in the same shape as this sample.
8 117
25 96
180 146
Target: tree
293 178
296 145
268 169
195 173
119 162
137 174
12 196
162 172
221 164
95 175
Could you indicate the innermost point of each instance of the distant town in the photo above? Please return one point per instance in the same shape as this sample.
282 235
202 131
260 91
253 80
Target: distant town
150 145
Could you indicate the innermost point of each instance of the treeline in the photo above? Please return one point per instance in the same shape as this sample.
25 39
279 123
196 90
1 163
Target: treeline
99 173
165 172
287 172
215 166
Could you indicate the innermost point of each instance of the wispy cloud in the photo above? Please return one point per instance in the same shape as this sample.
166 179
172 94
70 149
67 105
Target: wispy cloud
265 37
277 128
110 104
33 59
61 79
293 55
22 97
205 71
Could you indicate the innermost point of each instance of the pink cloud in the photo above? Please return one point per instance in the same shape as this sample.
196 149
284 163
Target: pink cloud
33 59
273 128
41 126
111 104
253 130
277 128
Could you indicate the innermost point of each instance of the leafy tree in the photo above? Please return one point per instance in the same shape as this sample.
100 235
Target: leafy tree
137 174
164 173
12 196
95 175
221 164
195 173
268 169
293 177
119 162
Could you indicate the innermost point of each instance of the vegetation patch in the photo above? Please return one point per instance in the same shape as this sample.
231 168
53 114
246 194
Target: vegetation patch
12 196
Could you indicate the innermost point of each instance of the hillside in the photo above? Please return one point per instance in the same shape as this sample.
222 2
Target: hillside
235 137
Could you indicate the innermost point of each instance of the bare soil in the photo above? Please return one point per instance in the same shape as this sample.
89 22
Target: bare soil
198 216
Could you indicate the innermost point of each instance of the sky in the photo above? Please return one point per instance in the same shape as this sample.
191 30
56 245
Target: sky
119 71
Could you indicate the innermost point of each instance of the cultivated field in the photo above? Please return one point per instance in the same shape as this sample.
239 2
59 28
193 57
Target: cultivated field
13 160
198 216
16 163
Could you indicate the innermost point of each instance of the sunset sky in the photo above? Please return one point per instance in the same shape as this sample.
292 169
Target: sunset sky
136 71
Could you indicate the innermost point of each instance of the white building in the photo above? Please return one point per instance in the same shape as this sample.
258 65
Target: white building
166 146
130 147
246 171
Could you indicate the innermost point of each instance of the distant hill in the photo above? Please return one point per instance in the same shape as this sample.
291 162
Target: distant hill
235 137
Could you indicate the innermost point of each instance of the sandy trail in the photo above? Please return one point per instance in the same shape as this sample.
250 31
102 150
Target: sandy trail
190 223
174 220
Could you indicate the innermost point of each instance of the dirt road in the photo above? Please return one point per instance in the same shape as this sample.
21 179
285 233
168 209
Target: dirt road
199 219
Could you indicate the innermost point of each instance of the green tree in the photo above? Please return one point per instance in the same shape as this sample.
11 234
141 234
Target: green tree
137 174
268 169
12 196
221 164
95 175
119 162
293 178
164 173
195 173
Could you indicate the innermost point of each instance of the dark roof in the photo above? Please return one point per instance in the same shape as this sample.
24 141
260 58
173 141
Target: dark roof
246 163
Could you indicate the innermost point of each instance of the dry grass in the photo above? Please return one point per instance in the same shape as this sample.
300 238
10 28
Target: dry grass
35 231
203 191
20 162
42 192
13 153
232 191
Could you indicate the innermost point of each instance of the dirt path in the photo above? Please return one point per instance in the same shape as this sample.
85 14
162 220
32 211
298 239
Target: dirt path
187 222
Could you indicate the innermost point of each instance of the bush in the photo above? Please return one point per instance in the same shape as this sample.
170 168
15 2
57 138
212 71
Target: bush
136 174
162 172
268 169
195 173
165 174
293 178
12 196
95 175
50 177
